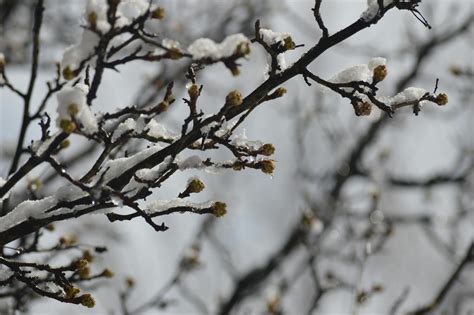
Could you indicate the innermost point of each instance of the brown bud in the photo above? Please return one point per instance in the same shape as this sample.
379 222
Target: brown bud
267 166
380 72
84 273
87 255
235 71
441 99
289 43
67 125
81 264
195 186
108 273
87 300
130 282
71 292
159 13
92 18
65 144
243 49
219 209
234 98
68 73
193 91
363 109
174 53
2 62
267 149
163 106
73 109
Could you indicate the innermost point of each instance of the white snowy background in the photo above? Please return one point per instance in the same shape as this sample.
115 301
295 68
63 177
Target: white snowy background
262 208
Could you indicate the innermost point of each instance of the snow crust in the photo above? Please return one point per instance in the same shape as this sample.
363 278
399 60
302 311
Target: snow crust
162 205
138 126
410 94
204 48
271 37
361 72
372 9
76 96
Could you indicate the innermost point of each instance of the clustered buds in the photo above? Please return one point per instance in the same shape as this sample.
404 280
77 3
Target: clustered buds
159 13
267 149
219 209
267 166
363 109
441 99
380 72
234 98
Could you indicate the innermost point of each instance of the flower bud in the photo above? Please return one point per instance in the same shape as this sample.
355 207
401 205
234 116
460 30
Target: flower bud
92 18
363 109
159 13
455 70
87 300
81 264
67 125
380 72
441 99
289 43
280 91
130 282
68 73
234 98
87 256
163 106
219 209
235 71
73 109
193 91
243 49
267 149
2 62
71 292
108 273
84 273
65 144
267 166
174 53
195 186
